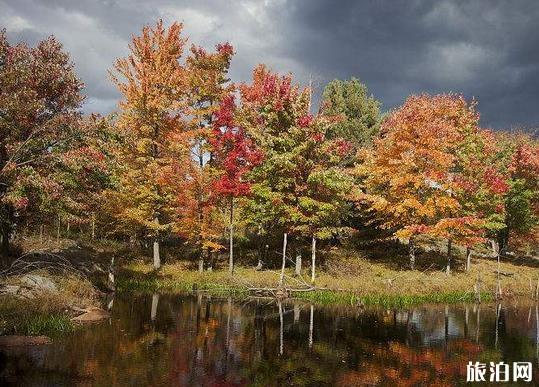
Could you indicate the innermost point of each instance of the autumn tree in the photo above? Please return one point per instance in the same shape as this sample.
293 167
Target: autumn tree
152 83
207 83
520 155
412 173
233 155
40 104
300 185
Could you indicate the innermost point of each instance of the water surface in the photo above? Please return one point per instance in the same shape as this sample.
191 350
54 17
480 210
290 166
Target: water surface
198 340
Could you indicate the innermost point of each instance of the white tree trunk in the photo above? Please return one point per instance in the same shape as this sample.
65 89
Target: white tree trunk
468 258
156 256
313 260
281 278
298 264
411 252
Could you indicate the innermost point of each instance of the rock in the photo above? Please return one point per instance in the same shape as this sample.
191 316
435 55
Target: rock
10 289
92 315
16 341
38 282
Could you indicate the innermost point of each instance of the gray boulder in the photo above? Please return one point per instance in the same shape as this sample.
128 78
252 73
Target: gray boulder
38 282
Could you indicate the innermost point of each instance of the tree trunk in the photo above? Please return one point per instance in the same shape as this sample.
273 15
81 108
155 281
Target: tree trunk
411 252
298 264
449 252
313 259
281 278
231 241
468 258
498 284
156 256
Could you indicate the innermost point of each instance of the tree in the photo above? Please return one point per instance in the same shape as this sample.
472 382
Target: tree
234 155
411 174
40 104
358 112
152 82
301 185
520 154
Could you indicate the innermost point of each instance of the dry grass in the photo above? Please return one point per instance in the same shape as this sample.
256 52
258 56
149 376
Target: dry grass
351 272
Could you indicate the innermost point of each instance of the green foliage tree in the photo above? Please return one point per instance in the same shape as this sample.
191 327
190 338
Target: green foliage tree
301 184
358 112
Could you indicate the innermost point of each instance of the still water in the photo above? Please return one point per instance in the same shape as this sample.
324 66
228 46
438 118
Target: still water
197 340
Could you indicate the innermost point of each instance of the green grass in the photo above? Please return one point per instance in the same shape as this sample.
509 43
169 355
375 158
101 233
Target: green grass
390 301
153 283
48 325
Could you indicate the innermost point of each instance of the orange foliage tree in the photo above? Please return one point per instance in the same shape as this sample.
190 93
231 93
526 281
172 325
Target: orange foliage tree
152 82
415 173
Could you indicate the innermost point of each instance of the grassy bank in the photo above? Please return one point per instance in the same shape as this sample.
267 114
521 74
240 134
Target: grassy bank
46 313
350 279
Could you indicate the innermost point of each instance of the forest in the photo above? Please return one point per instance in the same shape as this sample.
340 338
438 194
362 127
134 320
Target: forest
194 167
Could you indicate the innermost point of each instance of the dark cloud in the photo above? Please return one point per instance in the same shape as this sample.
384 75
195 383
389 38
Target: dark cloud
483 49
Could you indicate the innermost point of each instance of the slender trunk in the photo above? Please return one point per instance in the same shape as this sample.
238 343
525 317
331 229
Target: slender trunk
313 260
449 252
298 264
468 258
281 278
231 258
68 228
111 279
156 256
498 284
296 313
411 252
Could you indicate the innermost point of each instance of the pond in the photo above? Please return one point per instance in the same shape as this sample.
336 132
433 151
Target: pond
201 340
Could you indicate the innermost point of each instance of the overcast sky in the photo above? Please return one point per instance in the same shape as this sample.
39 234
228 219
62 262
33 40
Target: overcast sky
484 49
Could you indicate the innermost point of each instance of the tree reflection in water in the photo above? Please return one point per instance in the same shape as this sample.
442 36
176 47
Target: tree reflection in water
202 340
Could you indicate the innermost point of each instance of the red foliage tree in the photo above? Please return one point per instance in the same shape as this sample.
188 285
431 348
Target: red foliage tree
234 155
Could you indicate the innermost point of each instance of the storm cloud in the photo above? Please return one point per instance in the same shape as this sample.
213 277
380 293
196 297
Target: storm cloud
488 50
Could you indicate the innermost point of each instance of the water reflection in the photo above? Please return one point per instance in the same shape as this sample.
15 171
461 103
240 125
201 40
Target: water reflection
201 340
